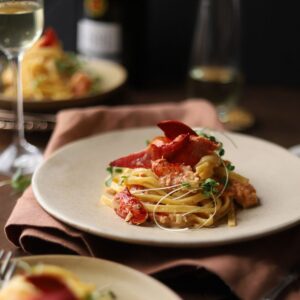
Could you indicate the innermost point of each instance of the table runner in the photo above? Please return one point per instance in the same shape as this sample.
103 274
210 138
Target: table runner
249 268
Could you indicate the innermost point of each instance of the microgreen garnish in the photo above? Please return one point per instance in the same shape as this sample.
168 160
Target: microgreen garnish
147 142
19 182
98 294
207 136
112 171
221 151
109 170
230 167
108 181
68 64
209 187
123 178
186 185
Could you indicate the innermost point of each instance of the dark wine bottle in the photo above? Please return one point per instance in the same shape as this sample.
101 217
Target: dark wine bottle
99 32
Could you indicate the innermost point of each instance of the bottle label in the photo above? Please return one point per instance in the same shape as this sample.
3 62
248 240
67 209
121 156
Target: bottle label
99 39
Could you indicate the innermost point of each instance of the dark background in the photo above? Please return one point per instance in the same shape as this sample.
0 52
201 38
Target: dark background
158 36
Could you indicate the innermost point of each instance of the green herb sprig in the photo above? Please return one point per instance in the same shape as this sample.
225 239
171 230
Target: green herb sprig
207 136
112 171
68 64
221 150
230 167
209 187
19 181
186 185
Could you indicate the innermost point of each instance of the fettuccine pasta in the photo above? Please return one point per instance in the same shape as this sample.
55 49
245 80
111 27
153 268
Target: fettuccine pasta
188 189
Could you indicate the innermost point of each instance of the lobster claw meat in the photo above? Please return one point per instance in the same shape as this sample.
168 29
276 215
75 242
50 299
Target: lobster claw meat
130 208
180 145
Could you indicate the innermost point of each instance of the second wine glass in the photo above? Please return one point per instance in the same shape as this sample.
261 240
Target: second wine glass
21 24
214 72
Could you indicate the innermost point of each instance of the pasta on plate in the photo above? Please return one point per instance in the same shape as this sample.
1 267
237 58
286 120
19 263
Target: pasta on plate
49 73
181 180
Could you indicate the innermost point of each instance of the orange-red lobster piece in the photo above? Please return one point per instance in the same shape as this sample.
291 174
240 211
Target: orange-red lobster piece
162 168
130 208
48 39
180 145
135 160
173 128
51 287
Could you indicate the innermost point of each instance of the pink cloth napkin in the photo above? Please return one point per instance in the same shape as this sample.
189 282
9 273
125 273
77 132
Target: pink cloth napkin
249 268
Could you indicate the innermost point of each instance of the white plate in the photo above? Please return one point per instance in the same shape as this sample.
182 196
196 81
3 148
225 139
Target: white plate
126 283
70 183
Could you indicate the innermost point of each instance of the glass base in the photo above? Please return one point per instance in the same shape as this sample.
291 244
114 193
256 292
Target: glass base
236 119
24 157
295 150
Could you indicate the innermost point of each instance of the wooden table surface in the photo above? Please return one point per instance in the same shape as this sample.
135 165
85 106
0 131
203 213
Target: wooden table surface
276 110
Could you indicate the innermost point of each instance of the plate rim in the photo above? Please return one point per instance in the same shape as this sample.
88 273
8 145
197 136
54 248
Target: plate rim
186 244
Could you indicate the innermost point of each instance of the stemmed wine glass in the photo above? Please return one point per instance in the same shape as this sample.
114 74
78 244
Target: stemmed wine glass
215 72
21 24
295 150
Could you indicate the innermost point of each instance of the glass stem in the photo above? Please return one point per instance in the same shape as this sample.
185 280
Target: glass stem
20 134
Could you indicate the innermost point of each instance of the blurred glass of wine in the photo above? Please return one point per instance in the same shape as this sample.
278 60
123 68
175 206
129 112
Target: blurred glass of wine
21 24
214 72
221 85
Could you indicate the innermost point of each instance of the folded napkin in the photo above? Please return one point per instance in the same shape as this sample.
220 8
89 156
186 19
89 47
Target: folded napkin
249 268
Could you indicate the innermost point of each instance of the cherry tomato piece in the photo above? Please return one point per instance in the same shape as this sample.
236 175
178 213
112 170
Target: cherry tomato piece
48 39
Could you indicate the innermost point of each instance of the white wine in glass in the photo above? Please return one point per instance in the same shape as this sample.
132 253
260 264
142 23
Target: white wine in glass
214 71
220 84
21 24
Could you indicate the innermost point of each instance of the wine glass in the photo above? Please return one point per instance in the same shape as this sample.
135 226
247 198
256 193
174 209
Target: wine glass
214 72
21 24
295 150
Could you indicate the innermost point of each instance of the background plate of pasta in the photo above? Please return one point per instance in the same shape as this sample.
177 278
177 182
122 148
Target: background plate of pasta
172 186
55 79
69 277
